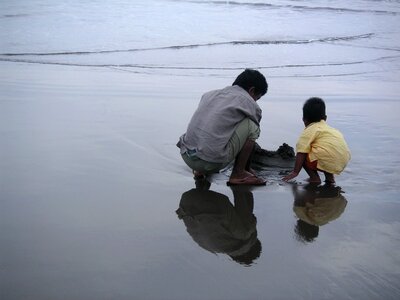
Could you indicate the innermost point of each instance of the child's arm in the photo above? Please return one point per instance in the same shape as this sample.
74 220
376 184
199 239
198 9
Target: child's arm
300 159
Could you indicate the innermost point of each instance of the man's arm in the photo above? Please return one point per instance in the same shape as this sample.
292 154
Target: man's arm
250 109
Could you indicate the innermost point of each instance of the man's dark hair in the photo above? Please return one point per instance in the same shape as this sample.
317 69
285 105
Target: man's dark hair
314 110
248 258
252 78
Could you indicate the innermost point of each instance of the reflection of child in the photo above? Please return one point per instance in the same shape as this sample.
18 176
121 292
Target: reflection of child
316 206
320 147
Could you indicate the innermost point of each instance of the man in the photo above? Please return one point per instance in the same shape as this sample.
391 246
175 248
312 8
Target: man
224 128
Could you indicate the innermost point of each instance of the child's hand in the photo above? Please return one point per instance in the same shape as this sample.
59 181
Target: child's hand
290 176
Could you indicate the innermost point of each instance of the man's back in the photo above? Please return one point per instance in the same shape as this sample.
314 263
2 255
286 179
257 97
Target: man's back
214 122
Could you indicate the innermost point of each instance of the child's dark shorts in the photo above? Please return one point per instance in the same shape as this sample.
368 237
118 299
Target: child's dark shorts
312 165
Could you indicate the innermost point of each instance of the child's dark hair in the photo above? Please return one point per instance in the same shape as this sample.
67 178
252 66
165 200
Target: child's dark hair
306 232
314 110
252 78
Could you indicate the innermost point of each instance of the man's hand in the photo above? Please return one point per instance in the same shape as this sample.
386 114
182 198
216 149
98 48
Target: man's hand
290 176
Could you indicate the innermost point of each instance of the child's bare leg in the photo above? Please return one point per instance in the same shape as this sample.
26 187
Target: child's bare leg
329 177
314 177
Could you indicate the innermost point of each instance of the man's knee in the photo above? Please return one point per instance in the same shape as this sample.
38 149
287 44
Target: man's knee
254 130
245 130
248 129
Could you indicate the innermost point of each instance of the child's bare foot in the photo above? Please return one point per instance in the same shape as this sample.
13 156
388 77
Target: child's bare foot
314 176
315 180
329 178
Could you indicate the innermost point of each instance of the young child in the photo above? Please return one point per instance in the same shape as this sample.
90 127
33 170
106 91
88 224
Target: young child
320 147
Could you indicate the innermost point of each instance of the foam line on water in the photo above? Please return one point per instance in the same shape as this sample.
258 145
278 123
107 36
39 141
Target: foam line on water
299 7
178 47
144 66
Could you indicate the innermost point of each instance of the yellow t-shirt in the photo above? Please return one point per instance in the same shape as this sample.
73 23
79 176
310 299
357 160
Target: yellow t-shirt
325 144
322 211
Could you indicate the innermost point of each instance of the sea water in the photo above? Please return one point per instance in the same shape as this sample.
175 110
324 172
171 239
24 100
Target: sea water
309 39
95 201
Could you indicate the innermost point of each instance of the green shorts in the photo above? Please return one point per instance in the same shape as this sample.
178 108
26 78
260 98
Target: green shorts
244 131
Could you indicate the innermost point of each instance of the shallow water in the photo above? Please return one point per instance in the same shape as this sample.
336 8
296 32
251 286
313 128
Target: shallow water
91 180
95 202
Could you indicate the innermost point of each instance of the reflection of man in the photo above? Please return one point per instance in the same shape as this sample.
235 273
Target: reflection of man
316 206
218 226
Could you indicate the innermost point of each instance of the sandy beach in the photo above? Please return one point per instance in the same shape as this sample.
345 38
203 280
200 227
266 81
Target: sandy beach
91 179
95 200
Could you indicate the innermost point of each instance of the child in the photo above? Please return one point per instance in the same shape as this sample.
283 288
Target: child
316 206
320 147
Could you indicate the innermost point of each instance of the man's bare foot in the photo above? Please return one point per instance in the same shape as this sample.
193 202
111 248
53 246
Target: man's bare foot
241 174
245 178
252 171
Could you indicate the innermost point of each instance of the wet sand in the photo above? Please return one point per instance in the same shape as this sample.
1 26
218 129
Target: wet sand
91 180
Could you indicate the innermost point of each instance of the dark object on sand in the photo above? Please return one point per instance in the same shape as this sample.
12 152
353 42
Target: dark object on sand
283 157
